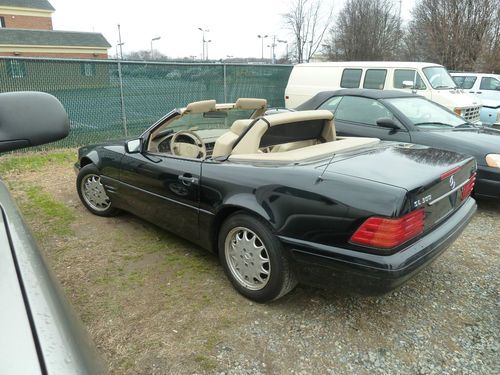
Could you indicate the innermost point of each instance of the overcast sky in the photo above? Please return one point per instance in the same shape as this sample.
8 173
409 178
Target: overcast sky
233 24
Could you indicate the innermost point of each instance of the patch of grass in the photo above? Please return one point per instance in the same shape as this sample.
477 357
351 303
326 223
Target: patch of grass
206 363
41 206
21 162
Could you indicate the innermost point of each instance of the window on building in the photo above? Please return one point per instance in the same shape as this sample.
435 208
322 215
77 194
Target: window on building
350 78
401 75
2 22
88 69
375 79
16 69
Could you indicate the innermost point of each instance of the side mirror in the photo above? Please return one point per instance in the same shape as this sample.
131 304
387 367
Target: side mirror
133 146
29 118
389 123
408 84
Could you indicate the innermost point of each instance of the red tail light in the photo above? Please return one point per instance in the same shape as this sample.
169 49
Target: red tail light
468 187
445 175
386 233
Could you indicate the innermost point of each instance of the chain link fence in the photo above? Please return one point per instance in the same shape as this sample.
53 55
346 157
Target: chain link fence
108 99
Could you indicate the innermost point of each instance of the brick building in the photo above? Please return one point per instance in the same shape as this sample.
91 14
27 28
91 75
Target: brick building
26 30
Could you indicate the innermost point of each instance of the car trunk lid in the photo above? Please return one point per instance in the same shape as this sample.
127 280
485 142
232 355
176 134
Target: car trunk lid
433 179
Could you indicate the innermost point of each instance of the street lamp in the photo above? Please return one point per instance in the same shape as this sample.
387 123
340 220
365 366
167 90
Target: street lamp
286 44
206 43
262 37
152 51
203 41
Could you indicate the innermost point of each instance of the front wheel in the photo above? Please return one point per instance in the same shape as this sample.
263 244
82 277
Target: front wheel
254 259
92 193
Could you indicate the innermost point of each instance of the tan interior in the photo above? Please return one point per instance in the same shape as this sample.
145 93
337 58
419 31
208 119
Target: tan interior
251 142
248 146
250 103
225 143
201 106
309 152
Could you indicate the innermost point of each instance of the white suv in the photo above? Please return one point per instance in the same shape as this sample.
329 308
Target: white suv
487 88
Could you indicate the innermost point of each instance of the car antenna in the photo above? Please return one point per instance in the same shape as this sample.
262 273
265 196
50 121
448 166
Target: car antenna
320 177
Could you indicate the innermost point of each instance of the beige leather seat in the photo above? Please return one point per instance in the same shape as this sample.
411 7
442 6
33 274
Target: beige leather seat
225 143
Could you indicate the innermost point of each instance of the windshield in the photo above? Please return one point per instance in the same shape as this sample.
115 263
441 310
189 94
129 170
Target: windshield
425 114
439 78
211 120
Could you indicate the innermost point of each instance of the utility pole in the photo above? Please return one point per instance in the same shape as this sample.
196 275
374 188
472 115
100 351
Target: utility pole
273 55
120 42
286 44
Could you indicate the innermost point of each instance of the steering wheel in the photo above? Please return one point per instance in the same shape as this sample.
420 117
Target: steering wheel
196 149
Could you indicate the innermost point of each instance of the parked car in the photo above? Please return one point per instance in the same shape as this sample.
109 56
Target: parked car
402 117
427 79
485 87
39 332
280 198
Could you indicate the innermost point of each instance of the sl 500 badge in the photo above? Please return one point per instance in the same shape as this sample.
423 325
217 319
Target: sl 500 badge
422 201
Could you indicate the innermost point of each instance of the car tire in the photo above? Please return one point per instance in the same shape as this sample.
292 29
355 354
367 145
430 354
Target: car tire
92 193
254 259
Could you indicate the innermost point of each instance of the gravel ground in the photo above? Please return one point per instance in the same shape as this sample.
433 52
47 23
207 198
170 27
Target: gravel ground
155 304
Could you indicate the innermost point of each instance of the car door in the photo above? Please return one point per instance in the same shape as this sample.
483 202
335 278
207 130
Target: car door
163 189
357 117
489 89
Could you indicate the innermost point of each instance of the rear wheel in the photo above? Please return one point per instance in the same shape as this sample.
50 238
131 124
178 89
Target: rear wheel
254 259
92 193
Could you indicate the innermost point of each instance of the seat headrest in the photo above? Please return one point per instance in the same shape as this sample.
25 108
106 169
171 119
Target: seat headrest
239 126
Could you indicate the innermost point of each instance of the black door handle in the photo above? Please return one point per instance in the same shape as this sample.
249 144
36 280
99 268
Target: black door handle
187 179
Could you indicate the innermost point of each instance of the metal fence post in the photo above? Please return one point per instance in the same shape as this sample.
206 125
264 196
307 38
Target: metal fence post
225 84
122 100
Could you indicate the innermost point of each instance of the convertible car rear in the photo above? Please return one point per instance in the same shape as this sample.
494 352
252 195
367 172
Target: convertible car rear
281 199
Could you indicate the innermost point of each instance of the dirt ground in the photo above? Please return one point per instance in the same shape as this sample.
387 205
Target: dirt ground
156 304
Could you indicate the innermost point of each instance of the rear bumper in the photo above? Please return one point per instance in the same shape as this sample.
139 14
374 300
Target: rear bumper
371 274
487 183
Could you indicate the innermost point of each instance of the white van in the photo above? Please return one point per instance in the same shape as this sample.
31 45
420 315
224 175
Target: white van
486 87
429 80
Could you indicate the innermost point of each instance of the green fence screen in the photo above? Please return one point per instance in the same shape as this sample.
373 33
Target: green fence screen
108 99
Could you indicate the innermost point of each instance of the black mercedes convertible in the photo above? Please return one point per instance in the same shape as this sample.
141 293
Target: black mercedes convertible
282 199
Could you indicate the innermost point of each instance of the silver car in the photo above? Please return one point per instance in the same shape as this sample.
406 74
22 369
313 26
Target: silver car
39 333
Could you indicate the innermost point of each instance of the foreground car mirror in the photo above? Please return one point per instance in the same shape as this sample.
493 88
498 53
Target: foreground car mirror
389 123
133 146
30 119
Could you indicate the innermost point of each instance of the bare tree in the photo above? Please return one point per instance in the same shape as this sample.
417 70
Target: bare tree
145 55
308 20
489 61
453 33
365 30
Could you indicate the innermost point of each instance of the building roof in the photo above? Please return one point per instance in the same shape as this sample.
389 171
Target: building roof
27 37
32 4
